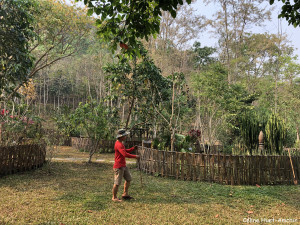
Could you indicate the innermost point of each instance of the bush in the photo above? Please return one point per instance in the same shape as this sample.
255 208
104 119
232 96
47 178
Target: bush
16 129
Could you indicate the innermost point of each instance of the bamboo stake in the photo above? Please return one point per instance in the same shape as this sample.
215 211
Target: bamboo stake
295 180
141 178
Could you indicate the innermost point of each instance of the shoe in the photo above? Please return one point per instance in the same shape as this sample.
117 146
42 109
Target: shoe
127 197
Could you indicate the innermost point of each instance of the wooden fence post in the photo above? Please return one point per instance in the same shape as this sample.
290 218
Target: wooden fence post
182 168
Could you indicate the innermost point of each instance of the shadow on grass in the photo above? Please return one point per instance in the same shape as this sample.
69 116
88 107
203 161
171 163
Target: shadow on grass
77 183
63 173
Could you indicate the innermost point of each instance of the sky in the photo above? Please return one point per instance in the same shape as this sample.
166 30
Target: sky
293 34
271 27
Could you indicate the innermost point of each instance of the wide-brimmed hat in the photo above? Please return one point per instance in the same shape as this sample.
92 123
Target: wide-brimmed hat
122 132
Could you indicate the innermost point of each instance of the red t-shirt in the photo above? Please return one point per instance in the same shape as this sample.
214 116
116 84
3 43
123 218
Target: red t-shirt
121 153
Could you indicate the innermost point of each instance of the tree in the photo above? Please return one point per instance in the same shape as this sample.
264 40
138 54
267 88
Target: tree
209 87
61 30
81 74
124 22
231 23
289 98
151 97
255 52
173 110
28 91
170 49
16 30
202 56
218 103
59 86
290 11
137 81
91 118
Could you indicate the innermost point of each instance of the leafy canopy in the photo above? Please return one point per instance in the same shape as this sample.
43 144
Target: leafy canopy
15 32
91 117
290 11
127 21
141 80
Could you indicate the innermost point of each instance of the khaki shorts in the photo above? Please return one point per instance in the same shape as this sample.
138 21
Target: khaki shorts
120 173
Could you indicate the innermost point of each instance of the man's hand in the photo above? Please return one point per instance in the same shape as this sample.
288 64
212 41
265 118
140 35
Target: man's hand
138 157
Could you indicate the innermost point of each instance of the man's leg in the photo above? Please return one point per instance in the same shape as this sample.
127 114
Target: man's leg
126 187
115 191
128 178
118 178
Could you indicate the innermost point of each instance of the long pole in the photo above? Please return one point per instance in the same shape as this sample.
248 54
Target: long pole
141 177
295 181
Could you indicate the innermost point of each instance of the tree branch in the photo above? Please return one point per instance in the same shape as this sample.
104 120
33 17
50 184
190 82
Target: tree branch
36 70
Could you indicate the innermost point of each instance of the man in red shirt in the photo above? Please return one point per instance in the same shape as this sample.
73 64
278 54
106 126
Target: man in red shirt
120 168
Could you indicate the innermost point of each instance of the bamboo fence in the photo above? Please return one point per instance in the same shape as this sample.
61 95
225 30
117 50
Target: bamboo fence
219 168
21 158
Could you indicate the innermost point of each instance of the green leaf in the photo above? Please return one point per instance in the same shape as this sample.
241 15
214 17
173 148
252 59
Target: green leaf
98 22
98 11
90 12
173 13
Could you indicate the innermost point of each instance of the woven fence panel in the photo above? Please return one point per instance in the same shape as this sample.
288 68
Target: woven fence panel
21 158
220 168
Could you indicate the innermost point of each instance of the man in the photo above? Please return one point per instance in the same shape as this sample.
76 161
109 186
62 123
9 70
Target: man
120 169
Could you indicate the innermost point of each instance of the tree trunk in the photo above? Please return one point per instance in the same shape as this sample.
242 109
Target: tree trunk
172 139
129 113
123 113
58 102
44 94
209 130
227 41
47 94
276 98
154 128
93 148
171 118
100 89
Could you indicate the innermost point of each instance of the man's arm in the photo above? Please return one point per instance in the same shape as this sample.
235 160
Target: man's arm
131 149
124 152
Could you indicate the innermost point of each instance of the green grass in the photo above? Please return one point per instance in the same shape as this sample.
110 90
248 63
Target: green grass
80 193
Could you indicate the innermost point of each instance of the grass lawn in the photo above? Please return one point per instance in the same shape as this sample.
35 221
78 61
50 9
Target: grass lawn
75 192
